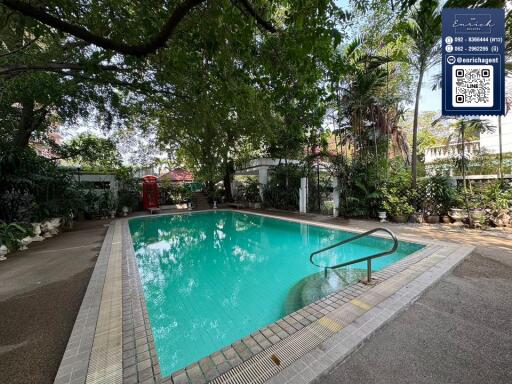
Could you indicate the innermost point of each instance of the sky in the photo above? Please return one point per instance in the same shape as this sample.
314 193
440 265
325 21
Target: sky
430 100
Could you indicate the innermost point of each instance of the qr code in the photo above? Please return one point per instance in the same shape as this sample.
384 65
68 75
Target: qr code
472 86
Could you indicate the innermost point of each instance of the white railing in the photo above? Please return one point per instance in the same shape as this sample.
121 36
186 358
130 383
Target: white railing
450 151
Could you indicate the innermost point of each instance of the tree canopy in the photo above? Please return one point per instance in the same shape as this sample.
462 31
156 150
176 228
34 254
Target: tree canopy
216 83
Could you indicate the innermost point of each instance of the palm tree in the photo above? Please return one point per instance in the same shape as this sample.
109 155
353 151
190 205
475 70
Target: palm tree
460 130
424 31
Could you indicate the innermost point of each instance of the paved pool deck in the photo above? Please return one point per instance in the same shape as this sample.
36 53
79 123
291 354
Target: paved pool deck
41 290
108 347
460 331
101 349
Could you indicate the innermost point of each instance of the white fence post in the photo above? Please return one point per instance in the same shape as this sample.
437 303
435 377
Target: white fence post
336 196
303 195
262 180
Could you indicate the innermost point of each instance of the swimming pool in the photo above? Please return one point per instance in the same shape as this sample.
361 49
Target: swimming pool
211 278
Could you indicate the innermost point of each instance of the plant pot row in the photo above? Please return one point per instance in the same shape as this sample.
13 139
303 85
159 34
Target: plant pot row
455 214
246 204
41 231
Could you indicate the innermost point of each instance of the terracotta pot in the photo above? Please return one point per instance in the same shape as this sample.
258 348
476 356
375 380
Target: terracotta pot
400 219
432 219
446 219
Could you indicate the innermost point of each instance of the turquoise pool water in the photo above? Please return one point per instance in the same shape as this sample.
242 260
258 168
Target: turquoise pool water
212 278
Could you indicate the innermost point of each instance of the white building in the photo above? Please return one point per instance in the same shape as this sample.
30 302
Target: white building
488 143
490 140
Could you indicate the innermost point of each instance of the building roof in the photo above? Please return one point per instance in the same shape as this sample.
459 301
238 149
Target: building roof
177 175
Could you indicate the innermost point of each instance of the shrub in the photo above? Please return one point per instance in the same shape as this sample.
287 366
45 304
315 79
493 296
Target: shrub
249 191
496 196
282 189
360 184
397 193
437 194
34 188
11 234
172 193
396 205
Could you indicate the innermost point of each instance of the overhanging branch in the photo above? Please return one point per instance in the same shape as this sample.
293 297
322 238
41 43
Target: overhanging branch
14 70
154 43
252 12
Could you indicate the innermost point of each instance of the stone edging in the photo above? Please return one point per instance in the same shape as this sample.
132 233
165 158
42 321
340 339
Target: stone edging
74 365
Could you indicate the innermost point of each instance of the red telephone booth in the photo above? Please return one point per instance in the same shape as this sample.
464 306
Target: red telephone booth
150 195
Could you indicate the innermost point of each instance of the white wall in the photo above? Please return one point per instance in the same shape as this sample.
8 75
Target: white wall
490 141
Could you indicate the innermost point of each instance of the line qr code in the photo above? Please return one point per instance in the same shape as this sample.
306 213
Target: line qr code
472 86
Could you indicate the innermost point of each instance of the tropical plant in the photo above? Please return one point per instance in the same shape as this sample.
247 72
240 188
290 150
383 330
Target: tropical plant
397 193
424 31
360 184
34 188
496 196
108 203
395 204
173 193
437 194
252 192
282 189
12 233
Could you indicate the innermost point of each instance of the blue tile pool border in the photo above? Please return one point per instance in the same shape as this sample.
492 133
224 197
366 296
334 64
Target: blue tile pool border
246 360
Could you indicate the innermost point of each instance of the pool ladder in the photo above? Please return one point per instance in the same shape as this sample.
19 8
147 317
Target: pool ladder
368 259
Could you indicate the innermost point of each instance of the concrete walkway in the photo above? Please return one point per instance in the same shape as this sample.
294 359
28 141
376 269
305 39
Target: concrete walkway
459 332
41 290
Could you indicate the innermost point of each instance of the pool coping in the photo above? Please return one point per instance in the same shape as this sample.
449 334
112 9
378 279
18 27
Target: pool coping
296 348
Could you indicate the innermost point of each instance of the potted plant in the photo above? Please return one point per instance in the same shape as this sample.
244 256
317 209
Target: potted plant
458 215
252 194
398 207
11 236
496 197
36 230
439 197
108 204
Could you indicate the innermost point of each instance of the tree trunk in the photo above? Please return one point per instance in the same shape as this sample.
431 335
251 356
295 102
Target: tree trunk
26 125
414 159
466 200
500 169
227 183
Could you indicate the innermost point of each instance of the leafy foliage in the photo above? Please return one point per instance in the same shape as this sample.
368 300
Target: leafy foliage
92 152
11 234
171 193
437 195
361 181
397 193
31 187
282 191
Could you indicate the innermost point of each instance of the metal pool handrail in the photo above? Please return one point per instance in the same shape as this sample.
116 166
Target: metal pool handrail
368 259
